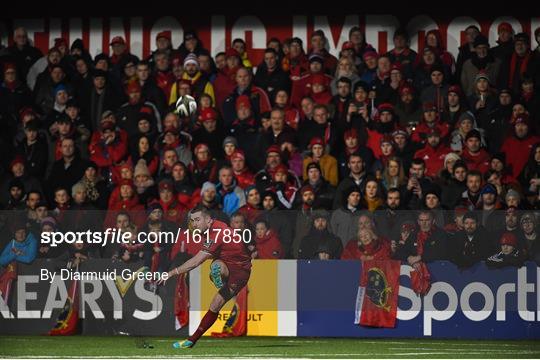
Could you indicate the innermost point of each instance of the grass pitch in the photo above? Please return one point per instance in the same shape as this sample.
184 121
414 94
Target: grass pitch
261 347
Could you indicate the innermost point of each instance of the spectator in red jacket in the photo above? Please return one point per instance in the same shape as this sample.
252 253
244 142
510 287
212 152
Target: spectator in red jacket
430 120
126 201
318 46
368 246
518 145
433 153
108 148
474 156
267 242
244 177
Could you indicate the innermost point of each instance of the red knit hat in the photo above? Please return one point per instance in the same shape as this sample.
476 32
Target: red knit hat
238 154
351 133
133 87
316 141
273 149
396 66
242 101
347 45
387 139
508 239
164 34
118 40
199 147
319 79
455 89
207 114
385 107
281 168
504 26
60 42
429 106
26 111
19 159
306 188
126 182
231 52
369 54
405 89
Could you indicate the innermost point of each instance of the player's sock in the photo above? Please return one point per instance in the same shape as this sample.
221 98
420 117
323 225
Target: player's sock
208 320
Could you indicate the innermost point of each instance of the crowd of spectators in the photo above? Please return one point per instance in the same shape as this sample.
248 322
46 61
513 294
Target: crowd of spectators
413 156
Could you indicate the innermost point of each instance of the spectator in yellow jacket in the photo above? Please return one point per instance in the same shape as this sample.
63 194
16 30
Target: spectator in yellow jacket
327 163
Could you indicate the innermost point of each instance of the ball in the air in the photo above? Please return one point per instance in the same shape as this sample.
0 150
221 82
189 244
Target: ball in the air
186 106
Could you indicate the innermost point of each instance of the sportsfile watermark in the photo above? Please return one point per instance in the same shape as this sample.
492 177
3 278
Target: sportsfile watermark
117 236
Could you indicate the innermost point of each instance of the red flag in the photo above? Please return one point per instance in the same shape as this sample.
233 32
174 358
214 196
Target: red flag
236 324
68 319
6 279
181 302
376 303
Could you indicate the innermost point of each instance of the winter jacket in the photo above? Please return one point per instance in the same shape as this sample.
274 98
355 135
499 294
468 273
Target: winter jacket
434 248
28 247
328 165
344 224
433 157
269 247
517 152
378 249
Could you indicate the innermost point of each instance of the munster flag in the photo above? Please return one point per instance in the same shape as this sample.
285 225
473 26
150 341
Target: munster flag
376 302
236 324
181 302
6 279
68 320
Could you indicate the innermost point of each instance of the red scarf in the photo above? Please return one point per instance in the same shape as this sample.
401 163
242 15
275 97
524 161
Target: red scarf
421 240
522 68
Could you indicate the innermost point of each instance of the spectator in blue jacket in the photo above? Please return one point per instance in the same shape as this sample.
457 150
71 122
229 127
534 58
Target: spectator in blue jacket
22 248
230 195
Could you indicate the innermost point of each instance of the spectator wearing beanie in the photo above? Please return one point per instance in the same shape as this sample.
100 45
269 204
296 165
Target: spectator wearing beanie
518 145
226 78
197 80
210 133
344 220
203 167
144 183
319 237
470 245
498 124
323 191
128 114
402 53
509 254
270 76
433 153
302 87
408 107
327 163
481 60
505 42
437 90
430 120
483 97
243 175
258 98
521 62
473 154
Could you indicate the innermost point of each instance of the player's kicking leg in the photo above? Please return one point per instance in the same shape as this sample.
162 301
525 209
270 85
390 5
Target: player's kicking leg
218 274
